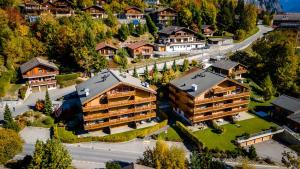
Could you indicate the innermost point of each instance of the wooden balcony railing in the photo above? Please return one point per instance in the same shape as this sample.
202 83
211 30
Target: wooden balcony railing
120 94
239 72
219 115
38 83
118 112
216 99
119 121
224 106
225 89
40 74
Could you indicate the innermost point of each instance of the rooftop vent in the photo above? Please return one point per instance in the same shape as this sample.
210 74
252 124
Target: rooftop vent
194 87
87 91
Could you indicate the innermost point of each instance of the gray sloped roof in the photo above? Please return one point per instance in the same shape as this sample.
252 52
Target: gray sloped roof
35 62
104 80
287 102
225 64
287 17
173 29
202 78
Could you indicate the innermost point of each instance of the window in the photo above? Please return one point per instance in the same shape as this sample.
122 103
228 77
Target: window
40 70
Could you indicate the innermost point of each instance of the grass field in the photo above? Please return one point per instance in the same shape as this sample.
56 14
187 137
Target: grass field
171 135
224 141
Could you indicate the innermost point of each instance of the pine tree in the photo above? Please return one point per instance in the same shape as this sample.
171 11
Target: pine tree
165 68
151 26
140 30
185 65
174 66
123 32
51 155
252 152
155 69
146 73
135 74
268 89
9 122
48 104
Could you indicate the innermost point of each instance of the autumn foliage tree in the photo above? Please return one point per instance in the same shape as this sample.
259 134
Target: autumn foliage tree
11 144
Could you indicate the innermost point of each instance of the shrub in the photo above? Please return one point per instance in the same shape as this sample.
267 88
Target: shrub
11 144
217 129
240 34
48 121
22 91
65 77
39 105
189 135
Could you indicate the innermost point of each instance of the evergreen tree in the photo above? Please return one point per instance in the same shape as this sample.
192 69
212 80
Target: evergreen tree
9 122
146 73
185 65
135 74
252 153
151 26
268 89
155 69
155 78
131 28
140 30
50 155
174 66
165 68
112 165
123 32
48 104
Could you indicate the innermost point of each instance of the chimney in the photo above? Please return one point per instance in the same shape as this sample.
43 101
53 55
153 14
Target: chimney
194 87
87 91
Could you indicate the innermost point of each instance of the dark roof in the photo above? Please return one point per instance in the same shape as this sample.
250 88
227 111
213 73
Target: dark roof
205 26
105 80
133 7
94 6
173 29
289 103
202 78
225 64
138 44
136 166
35 62
104 44
287 17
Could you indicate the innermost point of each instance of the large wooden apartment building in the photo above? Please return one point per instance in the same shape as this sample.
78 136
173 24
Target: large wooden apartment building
112 98
164 17
202 95
39 74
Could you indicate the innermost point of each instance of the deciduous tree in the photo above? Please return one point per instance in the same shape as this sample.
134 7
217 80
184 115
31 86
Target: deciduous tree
11 144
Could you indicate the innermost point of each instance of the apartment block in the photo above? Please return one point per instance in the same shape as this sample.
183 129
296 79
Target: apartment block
203 95
111 99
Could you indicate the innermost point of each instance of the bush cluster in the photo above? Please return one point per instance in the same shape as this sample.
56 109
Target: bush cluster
68 136
67 79
217 129
189 135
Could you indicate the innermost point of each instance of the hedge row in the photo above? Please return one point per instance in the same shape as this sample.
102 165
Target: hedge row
68 136
184 130
64 77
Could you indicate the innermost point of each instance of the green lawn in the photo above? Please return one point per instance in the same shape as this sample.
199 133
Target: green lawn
171 135
223 141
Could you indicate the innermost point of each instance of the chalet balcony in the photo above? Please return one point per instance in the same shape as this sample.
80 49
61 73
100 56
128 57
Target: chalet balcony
216 99
118 112
218 115
39 83
223 89
224 106
120 94
237 72
118 104
119 121
40 74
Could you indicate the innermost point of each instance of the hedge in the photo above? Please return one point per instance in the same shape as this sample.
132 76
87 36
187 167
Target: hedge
4 83
184 130
67 79
68 136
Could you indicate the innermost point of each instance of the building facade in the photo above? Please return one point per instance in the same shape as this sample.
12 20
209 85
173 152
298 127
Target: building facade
287 110
95 11
132 13
176 39
202 95
164 17
140 49
107 50
111 99
39 74
289 20
229 68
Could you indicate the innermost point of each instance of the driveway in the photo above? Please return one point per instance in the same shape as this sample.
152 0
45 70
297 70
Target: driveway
31 134
271 149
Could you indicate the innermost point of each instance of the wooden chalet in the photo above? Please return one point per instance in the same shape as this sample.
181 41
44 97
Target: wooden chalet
164 17
140 49
229 68
40 74
132 12
207 30
105 49
95 11
202 95
111 99
287 111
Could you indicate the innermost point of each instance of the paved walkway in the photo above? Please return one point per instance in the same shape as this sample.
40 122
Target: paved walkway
33 97
32 134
